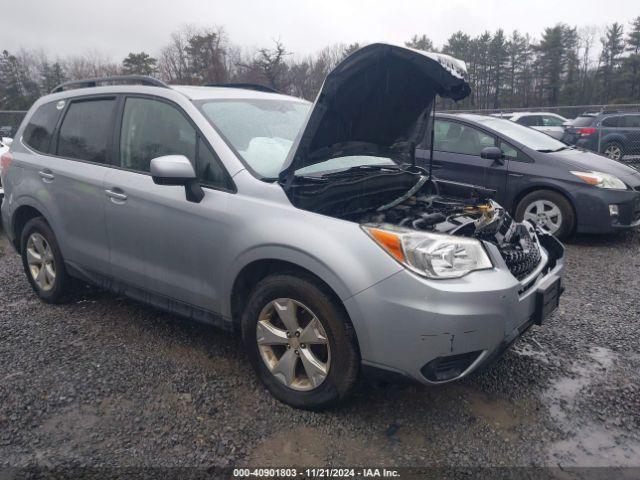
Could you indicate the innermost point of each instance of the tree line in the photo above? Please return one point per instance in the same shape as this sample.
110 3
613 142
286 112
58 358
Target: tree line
566 66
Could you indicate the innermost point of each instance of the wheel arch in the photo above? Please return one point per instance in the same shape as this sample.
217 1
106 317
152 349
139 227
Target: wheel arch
612 138
534 188
257 270
19 219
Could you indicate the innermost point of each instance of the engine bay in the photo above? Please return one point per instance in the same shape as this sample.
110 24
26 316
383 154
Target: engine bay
406 198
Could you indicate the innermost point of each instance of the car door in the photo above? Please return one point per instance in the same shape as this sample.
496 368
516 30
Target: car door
161 243
72 179
456 155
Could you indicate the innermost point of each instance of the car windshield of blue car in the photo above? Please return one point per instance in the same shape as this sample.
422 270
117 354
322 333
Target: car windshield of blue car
526 136
260 131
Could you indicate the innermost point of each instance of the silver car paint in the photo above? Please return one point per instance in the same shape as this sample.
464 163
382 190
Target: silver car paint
194 252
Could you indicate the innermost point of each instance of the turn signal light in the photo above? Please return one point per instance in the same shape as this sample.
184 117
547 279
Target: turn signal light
389 241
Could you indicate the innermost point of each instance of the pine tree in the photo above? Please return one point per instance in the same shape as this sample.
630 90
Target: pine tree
632 62
139 64
612 48
421 43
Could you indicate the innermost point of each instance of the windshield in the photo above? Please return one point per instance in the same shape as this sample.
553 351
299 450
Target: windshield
526 136
260 131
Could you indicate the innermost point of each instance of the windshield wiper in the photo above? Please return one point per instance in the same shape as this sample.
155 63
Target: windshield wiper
548 150
360 168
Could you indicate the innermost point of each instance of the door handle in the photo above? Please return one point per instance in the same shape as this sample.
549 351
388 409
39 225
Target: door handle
119 196
517 175
46 175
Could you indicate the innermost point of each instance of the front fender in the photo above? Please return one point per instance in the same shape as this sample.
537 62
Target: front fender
336 251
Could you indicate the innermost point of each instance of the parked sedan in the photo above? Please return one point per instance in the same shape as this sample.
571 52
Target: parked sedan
536 177
546 122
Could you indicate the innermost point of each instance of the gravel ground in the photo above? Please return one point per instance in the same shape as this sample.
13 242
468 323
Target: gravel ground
105 381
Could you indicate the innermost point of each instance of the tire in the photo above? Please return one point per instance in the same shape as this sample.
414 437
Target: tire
566 220
306 297
50 290
613 150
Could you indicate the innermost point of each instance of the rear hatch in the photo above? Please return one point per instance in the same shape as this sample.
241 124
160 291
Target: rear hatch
581 126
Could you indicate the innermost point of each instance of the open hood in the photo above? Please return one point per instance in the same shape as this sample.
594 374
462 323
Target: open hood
376 101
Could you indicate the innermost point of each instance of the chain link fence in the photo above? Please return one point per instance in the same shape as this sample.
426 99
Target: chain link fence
10 121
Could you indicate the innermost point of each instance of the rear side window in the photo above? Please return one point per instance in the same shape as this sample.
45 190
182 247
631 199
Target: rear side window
552 121
632 121
86 129
151 129
611 122
39 130
530 121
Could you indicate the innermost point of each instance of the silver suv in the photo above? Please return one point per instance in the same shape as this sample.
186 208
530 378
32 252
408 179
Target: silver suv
309 228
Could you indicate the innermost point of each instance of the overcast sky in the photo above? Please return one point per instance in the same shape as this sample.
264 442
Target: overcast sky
116 27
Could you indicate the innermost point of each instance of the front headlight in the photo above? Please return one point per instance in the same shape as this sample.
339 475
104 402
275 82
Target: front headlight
433 255
601 180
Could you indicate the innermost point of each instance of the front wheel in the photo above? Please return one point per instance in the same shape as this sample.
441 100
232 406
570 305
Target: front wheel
550 210
300 342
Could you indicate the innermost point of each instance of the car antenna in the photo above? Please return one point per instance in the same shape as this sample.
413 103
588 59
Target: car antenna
433 127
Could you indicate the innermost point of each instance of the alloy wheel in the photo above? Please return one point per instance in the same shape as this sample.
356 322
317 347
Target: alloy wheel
545 214
41 262
614 152
293 344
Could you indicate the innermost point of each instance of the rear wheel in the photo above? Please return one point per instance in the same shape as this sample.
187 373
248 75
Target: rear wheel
43 262
550 210
300 342
613 150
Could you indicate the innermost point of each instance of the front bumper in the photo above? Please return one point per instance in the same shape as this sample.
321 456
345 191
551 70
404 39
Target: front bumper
592 209
406 322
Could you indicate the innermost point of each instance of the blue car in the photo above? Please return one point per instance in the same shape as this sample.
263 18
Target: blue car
538 178
614 134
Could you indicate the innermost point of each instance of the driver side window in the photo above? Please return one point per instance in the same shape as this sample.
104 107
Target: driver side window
454 137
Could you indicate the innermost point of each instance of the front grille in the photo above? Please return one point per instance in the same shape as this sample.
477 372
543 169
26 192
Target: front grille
450 367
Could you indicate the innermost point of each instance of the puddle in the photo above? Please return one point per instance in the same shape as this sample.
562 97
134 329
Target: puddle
504 417
590 444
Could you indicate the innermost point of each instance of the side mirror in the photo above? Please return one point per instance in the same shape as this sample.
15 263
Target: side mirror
492 153
7 141
177 170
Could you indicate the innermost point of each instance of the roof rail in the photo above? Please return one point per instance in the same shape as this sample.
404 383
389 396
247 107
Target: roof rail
246 86
93 82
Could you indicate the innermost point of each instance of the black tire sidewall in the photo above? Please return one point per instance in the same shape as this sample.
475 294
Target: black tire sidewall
58 293
345 362
568 215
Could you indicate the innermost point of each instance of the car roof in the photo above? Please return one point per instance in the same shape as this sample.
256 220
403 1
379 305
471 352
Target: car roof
191 92
522 114
210 92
